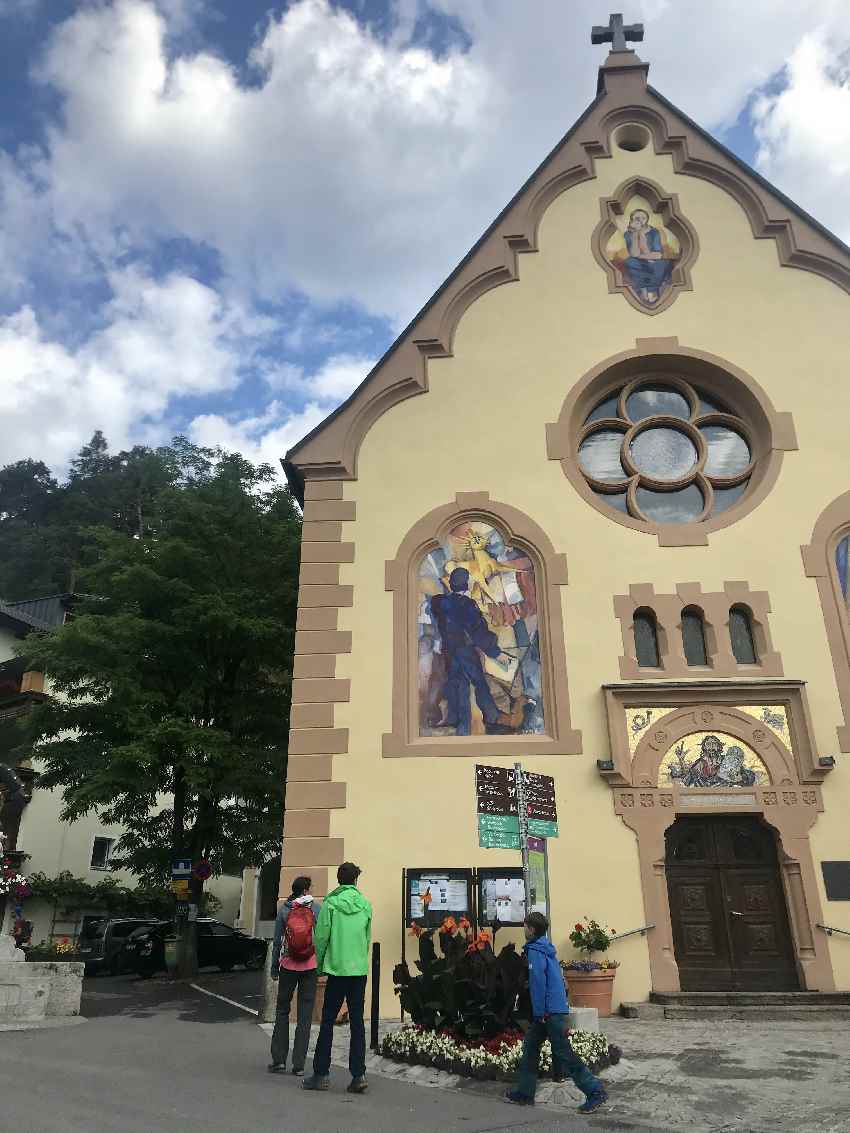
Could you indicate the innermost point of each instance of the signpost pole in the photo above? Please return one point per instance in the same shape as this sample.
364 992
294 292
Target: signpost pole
522 810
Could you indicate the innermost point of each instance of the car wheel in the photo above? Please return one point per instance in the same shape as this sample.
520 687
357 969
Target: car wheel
255 961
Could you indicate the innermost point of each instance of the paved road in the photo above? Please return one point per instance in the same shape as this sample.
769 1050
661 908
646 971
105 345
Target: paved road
160 1058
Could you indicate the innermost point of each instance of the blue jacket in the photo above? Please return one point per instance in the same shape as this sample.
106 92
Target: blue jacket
545 980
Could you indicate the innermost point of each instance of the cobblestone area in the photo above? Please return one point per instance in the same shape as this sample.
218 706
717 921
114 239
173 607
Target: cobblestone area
700 1076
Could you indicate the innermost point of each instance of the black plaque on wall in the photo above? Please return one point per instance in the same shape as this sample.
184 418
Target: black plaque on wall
836 880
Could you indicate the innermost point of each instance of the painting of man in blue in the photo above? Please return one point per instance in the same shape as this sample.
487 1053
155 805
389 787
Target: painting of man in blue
479 656
646 268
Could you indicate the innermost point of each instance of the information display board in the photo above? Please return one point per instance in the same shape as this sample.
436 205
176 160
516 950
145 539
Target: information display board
431 895
501 896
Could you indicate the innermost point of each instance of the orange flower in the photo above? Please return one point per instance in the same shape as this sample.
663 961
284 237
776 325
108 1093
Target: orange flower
416 929
449 925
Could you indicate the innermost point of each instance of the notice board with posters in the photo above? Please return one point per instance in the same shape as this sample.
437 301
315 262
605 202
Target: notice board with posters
431 895
501 896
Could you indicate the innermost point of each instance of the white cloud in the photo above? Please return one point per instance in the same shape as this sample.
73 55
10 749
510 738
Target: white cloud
357 168
159 340
804 132
267 436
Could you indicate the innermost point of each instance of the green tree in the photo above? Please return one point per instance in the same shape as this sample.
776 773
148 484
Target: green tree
173 682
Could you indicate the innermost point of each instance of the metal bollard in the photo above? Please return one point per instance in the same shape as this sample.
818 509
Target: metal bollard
376 994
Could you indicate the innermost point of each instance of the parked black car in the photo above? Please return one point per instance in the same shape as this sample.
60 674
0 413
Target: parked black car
218 946
102 941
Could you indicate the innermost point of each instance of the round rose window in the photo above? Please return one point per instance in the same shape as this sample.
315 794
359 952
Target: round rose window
665 451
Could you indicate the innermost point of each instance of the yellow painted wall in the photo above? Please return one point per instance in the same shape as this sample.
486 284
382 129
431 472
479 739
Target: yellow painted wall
517 353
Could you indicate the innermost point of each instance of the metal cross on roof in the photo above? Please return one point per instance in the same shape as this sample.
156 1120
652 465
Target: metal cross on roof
617 34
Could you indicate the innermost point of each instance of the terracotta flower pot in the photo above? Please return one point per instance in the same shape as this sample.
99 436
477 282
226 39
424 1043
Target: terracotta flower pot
591 989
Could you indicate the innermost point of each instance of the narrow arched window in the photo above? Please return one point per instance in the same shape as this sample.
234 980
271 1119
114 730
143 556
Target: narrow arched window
741 634
693 636
646 639
842 568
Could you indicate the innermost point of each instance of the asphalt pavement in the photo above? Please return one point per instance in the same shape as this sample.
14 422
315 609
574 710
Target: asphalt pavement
161 1057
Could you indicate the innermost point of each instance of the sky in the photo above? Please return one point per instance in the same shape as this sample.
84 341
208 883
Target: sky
216 215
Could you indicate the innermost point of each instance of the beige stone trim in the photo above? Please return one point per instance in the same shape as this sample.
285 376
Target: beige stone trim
311 716
331 450
321 691
551 574
316 796
323 641
667 207
308 823
318 740
327 552
320 875
819 563
326 596
320 532
32 681
314 743
318 574
322 490
715 609
308 769
790 803
315 665
771 433
317 618
343 511
312 851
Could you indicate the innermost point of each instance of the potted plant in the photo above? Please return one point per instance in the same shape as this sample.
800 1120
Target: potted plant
590 982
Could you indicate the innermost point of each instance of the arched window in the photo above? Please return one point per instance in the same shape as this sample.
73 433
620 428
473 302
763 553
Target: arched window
693 636
741 635
480 663
842 555
646 639
479 644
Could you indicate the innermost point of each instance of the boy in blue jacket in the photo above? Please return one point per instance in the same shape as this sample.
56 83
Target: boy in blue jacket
549 1010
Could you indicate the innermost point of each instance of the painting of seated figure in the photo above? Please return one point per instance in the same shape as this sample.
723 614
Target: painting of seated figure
644 252
707 759
479 667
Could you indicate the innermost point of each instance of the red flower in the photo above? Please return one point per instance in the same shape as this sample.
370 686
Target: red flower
579 928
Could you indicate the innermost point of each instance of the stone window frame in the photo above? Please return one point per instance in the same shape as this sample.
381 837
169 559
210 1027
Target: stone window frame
790 803
832 525
715 609
550 567
771 433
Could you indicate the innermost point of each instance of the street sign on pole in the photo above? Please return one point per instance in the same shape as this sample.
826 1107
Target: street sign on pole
181 867
497 792
522 810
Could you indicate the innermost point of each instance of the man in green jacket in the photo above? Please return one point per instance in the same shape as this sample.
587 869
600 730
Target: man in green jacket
342 936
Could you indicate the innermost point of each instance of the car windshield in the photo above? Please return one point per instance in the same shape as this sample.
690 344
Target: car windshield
125 928
94 930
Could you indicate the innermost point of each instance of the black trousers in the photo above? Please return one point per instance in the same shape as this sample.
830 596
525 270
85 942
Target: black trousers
352 990
287 982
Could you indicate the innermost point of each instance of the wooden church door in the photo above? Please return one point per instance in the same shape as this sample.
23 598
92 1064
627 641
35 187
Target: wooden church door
730 921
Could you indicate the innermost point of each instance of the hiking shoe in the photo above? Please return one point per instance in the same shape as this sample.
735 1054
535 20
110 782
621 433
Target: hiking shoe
593 1102
358 1086
316 1082
514 1097
277 1068
298 1071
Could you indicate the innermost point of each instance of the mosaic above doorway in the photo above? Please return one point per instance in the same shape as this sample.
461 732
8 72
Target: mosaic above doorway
711 759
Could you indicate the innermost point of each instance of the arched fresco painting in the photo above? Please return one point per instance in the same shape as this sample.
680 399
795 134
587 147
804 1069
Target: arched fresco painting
644 251
479 649
712 759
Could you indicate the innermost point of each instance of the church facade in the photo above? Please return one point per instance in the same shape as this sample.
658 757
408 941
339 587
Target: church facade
591 512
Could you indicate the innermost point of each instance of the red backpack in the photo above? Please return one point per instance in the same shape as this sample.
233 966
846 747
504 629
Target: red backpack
299 932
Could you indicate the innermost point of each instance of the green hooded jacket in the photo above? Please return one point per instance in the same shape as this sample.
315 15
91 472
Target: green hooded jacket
343 933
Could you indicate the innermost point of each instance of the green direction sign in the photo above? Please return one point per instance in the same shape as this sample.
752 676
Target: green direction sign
540 828
498 840
507 823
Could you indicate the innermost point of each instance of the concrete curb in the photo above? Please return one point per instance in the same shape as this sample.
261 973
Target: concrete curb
43 1024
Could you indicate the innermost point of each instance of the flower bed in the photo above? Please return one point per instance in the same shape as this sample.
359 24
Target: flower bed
493 1059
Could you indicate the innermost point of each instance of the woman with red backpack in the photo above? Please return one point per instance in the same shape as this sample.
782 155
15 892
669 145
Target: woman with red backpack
294 965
